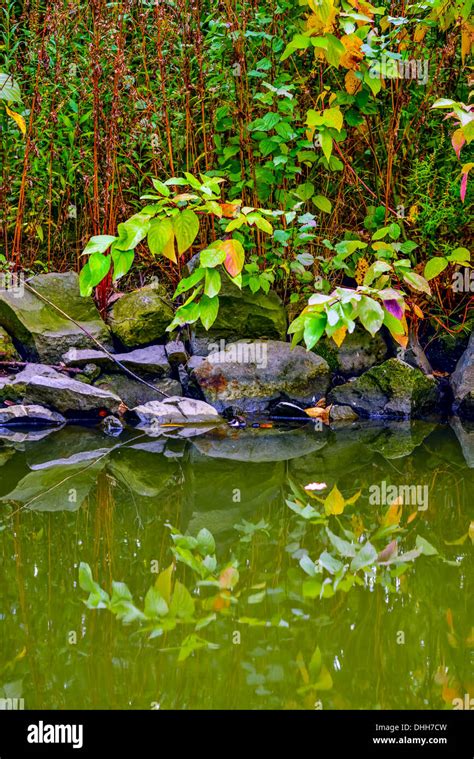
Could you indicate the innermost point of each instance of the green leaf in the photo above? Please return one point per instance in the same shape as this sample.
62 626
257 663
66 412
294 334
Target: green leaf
9 89
188 282
323 203
85 281
343 547
86 581
99 266
182 603
160 237
98 244
208 310
426 548
417 282
161 188
212 256
213 283
365 557
434 267
333 118
123 260
326 144
329 563
370 314
132 231
459 256
305 191
314 327
381 233
155 604
163 583
206 542
186 228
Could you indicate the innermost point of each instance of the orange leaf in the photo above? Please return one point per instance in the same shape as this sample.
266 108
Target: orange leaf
229 209
234 255
353 84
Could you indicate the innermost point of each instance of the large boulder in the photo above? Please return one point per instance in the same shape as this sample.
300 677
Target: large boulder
42 332
359 352
8 352
462 382
393 389
242 315
464 430
249 375
141 317
14 388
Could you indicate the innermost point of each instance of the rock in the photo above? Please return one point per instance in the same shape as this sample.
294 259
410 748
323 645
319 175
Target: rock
143 473
69 396
359 352
112 426
43 332
342 414
464 430
257 446
462 382
242 315
141 317
134 393
393 389
151 360
14 388
8 352
175 411
176 353
26 416
249 375
89 373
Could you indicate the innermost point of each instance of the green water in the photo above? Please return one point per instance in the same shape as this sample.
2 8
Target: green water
284 636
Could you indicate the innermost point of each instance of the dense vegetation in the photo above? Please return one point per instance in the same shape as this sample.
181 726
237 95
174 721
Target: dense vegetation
305 141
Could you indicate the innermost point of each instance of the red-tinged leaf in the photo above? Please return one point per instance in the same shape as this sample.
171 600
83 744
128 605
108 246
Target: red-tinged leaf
457 141
229 210
463 187
228 578
234 256
394 308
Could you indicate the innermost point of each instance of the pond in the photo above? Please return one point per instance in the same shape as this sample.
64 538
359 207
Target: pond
313 569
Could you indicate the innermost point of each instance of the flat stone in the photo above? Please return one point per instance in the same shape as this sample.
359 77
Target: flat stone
393 389
14 388
141 317
33 415
249 375
43 332
176 411
67 395
150 360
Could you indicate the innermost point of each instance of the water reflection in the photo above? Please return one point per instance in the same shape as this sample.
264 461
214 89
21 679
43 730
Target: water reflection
77 495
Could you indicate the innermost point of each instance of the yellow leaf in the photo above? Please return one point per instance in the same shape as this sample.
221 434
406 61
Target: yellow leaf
302 668
412 517
339 335
420 33
18 119
471 532
353 54
334 503
467 39
353 84
393 513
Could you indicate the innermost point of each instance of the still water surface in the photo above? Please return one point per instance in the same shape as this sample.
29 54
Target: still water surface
302 603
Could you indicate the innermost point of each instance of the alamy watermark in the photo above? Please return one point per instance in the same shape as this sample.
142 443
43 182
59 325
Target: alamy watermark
410 495
13 283
240 353
392 68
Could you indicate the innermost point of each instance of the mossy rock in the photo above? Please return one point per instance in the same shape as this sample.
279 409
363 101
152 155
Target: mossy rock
359 352
39 329
393 389
141 317
8 352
